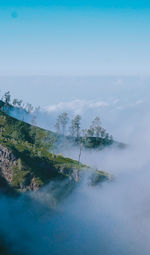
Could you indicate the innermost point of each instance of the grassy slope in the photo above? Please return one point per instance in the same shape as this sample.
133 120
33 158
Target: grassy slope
88 142
29 145
33 159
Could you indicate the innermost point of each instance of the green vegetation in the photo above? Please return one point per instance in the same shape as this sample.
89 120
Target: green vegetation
30 145
34 166
93 137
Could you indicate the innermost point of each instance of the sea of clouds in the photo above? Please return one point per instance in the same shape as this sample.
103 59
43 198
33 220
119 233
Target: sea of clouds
109 219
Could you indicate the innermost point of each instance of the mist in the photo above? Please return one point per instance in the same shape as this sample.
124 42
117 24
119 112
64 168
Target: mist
112 218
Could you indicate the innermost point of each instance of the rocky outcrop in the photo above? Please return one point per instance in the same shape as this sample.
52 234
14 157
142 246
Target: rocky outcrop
14 174
73 173
8 165
7 162
30 173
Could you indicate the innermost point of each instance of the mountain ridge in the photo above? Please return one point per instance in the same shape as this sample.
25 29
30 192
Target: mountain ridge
25 161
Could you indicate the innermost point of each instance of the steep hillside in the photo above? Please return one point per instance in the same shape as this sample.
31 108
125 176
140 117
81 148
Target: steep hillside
89 140
25 161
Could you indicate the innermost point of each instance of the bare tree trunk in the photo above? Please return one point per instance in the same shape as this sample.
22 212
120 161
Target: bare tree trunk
80 150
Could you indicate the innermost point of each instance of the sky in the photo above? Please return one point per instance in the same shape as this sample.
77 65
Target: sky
85 37
82 55
87 57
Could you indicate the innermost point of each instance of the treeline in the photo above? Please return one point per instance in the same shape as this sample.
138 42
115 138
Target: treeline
25 108
8 101
64 126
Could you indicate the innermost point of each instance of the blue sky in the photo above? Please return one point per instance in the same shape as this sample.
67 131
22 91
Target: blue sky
78 3
74 37
42 42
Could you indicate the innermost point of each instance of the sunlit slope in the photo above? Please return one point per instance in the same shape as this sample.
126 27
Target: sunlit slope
88 139
26 163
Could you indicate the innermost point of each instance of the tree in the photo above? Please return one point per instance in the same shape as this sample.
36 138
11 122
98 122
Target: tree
14 102
7 97
61 123
29 108
75 126
57 125
80 150
19 103
90 132
96 126
103 133
107 136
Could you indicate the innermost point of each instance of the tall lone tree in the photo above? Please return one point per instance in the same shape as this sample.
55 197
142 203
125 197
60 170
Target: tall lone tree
29 108
75 126
61 123
57 125
96 126
7 98
103 133
15 102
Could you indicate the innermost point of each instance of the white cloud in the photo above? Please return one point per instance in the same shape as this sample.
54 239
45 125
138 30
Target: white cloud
77 106
98 104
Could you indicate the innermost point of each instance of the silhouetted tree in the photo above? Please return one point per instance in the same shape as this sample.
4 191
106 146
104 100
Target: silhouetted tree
61 123
15 102
96 126
90 132
75 126
80 151
103 133
57 125
7 98
29 108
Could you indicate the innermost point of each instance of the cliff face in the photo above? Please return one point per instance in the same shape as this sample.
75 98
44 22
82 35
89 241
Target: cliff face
26 173
19 174
7 162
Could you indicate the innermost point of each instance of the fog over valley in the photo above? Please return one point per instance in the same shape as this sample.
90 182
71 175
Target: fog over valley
110 218
74 127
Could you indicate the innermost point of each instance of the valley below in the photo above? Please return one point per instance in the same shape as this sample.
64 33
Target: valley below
52 203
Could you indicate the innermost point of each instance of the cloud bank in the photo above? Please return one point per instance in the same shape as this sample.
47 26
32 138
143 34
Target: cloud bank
76 106
113 218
